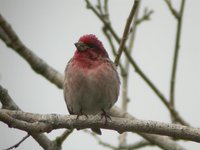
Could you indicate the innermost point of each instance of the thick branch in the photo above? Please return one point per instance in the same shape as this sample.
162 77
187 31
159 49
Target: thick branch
38 123
8 103
37 64
163 142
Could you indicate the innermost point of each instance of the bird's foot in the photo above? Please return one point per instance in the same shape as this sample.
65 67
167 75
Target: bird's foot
104 114
80 114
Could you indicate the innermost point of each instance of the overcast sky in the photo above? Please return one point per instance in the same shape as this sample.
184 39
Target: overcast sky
50 29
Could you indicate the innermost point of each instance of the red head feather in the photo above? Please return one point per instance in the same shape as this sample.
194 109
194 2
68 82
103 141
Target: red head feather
92 41
89 57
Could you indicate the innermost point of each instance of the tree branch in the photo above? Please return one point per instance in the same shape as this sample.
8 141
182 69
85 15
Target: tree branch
137 68
126 31
176 53
165 143
6 100
113 49
8 103
139 144
37 64
105 22
105 144
173 11
60 139
39 123
43 140
18 143
125 98
145 17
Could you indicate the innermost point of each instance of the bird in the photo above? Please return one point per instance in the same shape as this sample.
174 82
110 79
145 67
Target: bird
91 81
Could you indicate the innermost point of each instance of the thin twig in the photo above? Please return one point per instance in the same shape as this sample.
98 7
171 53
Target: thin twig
18 143
126 31
173 11
176 53
122 70
105 144
104 14
138 70
106 9
127 63
105 22
99 6
125 98
60 139
154 88
145 17
137 145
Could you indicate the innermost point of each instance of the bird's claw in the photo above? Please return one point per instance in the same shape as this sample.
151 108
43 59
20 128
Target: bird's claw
104 114
80 114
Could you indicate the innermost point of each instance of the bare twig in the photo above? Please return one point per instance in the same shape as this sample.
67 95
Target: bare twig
60 139
106 9
105 144
122 69
105 22
38 123
104 14
173 11
126 31
138 70
154 88
99 7
125 98
145 17
176 53
139 144
18 143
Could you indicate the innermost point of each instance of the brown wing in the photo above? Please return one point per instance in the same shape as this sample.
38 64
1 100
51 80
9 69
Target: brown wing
66 87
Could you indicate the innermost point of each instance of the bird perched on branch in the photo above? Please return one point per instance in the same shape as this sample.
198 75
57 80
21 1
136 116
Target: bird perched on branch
91 83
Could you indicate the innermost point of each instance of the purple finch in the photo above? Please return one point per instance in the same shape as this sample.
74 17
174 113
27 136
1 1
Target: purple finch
91 83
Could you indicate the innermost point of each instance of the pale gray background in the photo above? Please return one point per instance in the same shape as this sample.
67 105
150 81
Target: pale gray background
50 29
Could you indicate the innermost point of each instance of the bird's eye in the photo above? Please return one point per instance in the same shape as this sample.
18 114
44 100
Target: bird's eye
93 46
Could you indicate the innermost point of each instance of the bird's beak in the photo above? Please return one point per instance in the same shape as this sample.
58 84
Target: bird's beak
81 46
76 44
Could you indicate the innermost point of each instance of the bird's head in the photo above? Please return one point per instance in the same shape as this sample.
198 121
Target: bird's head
90 47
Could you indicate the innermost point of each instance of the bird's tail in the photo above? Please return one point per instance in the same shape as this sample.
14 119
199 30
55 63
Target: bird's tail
96 130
